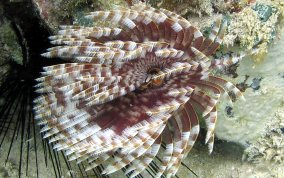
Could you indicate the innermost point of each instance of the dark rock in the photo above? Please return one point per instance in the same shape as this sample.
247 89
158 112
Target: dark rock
229 111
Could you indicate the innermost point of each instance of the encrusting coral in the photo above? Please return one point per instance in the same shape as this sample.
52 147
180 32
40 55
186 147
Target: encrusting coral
203 7
247 29
270 146
132 89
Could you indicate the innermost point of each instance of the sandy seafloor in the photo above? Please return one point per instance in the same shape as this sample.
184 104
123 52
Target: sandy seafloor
224 162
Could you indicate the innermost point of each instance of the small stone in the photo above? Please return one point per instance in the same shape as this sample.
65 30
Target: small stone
264 11
256 83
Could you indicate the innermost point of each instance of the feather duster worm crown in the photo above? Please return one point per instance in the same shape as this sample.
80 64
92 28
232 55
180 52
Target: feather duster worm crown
132 88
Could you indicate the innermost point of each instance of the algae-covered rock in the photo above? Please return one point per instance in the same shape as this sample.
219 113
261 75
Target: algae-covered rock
186 7
10 49
270 146
257 123
58 12
253 26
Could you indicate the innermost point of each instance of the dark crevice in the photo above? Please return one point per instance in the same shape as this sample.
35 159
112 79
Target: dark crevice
16 117
32 35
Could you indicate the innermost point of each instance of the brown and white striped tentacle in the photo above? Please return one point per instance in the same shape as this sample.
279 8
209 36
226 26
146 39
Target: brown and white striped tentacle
182 134
141 163
195 128
206 102
210 121
126 158
98 161
228 86
216 37
168 152
184 122
231 59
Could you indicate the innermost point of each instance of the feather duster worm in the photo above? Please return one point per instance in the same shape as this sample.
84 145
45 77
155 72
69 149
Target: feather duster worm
132 88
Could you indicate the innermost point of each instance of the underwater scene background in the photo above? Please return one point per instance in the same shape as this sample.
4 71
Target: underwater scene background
134 88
